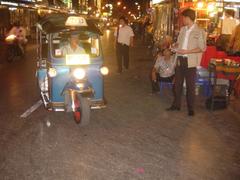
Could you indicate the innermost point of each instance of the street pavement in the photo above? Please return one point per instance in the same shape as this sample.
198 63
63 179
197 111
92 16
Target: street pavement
133 138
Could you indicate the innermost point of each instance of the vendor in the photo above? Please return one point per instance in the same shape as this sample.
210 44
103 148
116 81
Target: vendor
227 27
234 45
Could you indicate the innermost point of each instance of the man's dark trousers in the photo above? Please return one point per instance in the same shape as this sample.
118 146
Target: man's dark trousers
189 74
122 56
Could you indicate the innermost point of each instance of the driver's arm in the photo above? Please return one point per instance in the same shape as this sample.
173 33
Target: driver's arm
64 50
82 50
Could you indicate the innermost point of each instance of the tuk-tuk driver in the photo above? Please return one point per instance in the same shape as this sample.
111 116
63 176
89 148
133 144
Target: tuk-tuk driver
73 46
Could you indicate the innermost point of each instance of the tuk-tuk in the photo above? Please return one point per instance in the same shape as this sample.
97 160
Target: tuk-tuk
70 65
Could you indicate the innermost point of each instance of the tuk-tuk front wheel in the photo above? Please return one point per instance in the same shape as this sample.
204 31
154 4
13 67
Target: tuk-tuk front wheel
82 113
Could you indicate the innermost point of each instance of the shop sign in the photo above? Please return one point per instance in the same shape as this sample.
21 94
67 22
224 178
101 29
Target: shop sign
76 21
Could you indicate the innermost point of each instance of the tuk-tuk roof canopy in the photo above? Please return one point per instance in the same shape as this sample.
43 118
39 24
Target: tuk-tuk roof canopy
56 23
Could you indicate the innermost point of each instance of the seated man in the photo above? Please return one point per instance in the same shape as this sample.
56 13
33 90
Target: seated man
73 46
20 33
163 70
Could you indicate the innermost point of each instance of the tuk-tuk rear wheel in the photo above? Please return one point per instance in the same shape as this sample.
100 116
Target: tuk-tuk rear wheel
82 114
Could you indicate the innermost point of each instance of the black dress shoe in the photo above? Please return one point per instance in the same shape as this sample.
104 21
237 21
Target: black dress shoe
191 113
173 108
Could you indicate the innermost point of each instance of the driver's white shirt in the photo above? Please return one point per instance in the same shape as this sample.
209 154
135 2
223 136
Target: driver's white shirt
68 50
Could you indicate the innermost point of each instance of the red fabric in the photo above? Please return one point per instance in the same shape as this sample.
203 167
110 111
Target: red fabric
235 58
221 55
222 76
211 52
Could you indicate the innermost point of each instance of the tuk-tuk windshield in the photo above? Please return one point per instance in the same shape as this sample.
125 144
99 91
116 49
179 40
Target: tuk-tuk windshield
64 43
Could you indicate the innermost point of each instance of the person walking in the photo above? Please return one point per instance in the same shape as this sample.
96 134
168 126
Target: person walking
124 39
190 45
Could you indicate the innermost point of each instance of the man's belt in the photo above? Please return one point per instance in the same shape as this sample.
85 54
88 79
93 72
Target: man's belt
122 44
182 57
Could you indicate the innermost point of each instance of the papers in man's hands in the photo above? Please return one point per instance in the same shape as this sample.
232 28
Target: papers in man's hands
174 49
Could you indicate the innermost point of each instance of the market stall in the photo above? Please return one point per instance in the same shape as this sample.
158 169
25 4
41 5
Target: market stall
163 18
27 12
222 69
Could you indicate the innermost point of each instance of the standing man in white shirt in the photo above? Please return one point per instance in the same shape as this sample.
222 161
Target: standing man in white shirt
227 26
124 39
191 44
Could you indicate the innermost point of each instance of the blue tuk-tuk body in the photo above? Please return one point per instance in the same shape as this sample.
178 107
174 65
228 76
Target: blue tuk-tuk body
70 82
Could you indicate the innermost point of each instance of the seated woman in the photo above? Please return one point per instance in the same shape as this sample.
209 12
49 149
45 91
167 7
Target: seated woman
163 70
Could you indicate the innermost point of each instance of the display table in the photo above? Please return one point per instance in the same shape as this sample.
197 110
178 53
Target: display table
222 69
211 52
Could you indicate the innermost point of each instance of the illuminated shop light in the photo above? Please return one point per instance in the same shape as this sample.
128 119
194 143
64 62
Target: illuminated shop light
212 14
12 8
211 7
231 0
9 3
157 1
200 5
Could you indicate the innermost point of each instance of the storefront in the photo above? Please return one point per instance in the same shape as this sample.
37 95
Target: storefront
205 11
4 23
27 12
163 18
17 11
209 13
233 4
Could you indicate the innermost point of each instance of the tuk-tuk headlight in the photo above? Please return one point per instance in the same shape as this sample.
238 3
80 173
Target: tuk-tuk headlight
104 70
52 72
79 73
80 85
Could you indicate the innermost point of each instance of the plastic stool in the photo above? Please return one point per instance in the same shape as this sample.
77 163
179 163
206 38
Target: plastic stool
206 86
164 85
202 79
